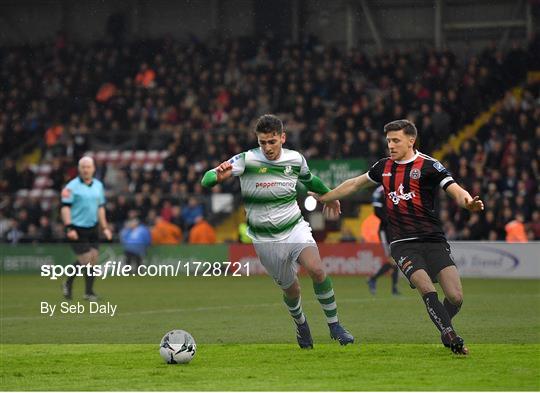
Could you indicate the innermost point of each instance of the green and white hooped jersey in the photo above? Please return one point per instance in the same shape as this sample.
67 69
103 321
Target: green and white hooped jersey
269 191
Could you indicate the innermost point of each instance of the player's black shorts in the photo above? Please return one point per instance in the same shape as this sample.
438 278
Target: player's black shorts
88 238
413 256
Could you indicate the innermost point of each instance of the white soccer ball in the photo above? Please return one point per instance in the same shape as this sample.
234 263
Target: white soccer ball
177 346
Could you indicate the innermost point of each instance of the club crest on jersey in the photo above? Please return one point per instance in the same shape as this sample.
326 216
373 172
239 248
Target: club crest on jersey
399 195
415 173
288 170
438 166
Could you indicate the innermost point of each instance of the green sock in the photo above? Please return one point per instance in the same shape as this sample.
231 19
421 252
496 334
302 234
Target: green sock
325 296
295 309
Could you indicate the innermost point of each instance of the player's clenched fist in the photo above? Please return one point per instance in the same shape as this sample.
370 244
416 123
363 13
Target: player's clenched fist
224 166
224 170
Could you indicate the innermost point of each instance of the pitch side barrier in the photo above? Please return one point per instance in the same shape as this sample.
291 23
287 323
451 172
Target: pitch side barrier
474 259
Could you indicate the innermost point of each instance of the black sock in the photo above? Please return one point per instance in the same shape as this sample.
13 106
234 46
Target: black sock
451 308
89 281
384 268
395 277
438 313
70 279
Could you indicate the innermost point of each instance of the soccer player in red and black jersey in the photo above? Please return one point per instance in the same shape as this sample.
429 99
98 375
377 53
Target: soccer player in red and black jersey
417 242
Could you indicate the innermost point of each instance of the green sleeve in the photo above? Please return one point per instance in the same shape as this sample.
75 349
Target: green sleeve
316 185
209 179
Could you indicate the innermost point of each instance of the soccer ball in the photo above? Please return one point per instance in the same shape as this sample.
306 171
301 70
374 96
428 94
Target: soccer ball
177 346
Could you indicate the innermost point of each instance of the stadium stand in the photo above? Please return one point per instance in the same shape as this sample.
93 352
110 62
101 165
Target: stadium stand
171 110
500 162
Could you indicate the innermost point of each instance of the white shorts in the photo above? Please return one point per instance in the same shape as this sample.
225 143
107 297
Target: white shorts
280 258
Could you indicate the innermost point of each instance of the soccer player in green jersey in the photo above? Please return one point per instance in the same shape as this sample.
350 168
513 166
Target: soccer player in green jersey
281 236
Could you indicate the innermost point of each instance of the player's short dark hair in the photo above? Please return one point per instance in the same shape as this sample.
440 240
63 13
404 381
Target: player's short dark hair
407 126
267 124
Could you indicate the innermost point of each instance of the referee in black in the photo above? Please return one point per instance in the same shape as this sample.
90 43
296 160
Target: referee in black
83 207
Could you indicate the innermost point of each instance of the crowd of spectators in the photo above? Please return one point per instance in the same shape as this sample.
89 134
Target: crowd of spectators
199 101
502 165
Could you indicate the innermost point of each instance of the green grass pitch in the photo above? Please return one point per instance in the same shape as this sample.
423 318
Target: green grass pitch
246 339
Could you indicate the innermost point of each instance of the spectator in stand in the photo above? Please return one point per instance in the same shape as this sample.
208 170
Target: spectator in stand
166 211
191 211
515 230
14 235
31 235
5 224
441 123
11 176
23 220
135 238
535 225
164 232
34 209
45 233
176 216
202 232
146 76
25 178
120 213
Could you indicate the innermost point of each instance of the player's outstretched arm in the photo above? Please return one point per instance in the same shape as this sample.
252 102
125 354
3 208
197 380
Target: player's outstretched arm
217 175
348 187
315 186
464 199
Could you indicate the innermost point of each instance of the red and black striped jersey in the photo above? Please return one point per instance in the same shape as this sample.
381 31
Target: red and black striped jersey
410 187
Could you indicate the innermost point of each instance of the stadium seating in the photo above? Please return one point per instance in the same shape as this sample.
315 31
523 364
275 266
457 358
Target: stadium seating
165 135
